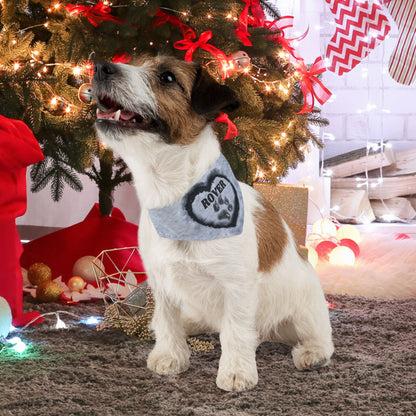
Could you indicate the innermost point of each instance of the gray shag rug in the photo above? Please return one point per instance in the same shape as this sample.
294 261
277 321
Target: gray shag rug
80 371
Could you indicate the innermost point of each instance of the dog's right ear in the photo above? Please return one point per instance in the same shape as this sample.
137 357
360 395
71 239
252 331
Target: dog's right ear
208 96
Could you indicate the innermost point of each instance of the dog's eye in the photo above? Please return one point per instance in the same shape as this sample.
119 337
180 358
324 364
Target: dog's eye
167 77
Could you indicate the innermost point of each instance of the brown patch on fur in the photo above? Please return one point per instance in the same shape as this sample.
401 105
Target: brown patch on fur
182 123
271 234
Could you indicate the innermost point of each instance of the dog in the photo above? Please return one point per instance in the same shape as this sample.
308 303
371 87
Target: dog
250 286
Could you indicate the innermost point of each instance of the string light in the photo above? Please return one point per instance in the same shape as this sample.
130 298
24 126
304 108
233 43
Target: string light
19 345
77 71
59 322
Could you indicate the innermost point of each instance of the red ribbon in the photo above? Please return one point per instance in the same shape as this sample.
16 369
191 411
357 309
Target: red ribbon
282 24
256 20
122 58
190 47
95 14
163 17
311 86
232 130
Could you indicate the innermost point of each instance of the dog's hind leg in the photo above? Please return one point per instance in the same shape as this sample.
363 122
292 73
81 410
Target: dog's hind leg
170 354
314 347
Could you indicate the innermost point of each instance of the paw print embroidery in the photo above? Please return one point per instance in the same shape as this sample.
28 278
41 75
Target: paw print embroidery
225 212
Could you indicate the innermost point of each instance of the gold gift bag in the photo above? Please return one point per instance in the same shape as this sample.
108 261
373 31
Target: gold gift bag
292 203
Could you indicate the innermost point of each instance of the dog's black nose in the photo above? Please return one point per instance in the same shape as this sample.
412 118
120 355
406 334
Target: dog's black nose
104 70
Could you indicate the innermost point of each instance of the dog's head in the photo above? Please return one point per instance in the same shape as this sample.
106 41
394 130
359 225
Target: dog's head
173 99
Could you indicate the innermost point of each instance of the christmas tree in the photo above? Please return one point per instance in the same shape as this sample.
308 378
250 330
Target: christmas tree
48 50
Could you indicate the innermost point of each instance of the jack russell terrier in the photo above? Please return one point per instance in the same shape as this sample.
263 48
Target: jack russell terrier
219 257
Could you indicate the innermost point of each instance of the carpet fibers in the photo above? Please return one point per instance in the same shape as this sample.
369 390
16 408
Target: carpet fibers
80 371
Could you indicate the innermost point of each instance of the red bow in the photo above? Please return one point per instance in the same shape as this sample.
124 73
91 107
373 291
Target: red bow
190 47
163 17
95 14
257 19
122 58
232 130
311 86
281 24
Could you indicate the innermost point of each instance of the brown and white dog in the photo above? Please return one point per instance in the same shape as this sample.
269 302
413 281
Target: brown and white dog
252 287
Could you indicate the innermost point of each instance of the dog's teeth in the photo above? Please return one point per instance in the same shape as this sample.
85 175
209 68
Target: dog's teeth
117 115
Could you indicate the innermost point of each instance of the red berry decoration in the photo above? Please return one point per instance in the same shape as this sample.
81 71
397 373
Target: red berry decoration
324 248
347 242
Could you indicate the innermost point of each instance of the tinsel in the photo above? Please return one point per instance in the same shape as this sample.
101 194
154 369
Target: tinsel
118 315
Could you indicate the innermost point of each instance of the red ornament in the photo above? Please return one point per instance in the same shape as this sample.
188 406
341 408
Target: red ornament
324 248
402 236
347 242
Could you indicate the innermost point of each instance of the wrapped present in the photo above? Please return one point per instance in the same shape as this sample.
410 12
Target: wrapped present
292 203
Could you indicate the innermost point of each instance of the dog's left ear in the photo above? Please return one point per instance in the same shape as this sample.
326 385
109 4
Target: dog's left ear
208 96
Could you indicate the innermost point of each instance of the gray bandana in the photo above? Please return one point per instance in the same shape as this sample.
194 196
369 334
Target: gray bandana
213 208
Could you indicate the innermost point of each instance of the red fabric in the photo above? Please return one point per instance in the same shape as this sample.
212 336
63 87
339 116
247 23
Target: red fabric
18 149
232 130
61 249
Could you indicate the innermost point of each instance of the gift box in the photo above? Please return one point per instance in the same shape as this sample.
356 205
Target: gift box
291 201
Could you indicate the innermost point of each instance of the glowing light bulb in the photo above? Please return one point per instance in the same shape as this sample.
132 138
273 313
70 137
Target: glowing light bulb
76 70
68 109
14 41
209 16
92 320
46 24
54 101
18 345
313 256
16 66
324 227
229 16
268 88
59 322
349 231
57 6
342 256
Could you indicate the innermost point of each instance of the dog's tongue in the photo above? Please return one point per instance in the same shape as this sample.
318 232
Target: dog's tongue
126 115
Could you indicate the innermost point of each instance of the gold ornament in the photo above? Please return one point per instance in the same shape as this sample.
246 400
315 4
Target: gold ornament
85 93
240 59
39 273
48 292
87 267
76 284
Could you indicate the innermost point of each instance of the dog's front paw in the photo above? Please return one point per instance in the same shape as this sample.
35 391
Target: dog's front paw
164 363
237 380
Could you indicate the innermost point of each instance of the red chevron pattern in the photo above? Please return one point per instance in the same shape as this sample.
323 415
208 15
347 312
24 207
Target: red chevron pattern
361 26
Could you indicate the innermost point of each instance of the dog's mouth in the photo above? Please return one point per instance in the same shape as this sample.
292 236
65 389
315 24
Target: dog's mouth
113 114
